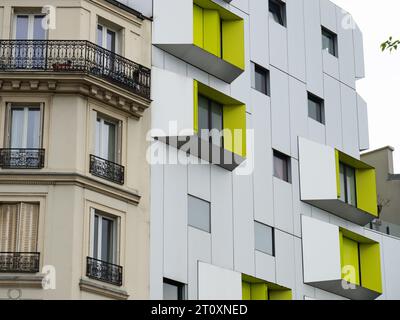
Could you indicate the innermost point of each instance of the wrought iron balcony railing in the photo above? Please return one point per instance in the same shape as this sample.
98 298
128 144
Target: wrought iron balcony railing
19 262
106 169
104 271
22 158
78 56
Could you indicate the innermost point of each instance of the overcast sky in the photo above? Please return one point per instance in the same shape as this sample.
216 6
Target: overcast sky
381 86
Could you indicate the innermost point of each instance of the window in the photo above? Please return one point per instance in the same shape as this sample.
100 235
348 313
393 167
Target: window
29 27
173 290
24 126
264 238
260 79
316 108
108 136
106 38
199 214
282 166
347 184
210 124
19 227
104 237
329 41
277 11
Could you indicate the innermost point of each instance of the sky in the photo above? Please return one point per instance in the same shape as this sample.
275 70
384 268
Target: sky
381 87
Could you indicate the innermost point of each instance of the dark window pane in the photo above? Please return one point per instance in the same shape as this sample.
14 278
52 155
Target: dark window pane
203 114
22 28
107 240
100 35
277 11
171 292
329 41
216 123
351 185
261 79
33 134
199 214
264 238
38 32
96 238
281 166
342 183
315 109
111 40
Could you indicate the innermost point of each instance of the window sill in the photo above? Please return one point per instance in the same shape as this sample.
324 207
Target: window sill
22 280
95 287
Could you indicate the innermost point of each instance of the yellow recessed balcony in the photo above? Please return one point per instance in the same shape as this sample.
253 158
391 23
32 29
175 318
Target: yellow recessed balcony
204 34
336 182
257 289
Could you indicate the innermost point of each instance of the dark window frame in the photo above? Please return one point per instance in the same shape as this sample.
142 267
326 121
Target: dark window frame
346 195
180 286
330 34
287 159
209 118
278 8
257 69
272 238
319 101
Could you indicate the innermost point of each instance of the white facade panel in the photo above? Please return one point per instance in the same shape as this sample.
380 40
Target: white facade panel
328 15
199 180
216 283
283 207
285 260
265 267
333 112
297 204
358 53
259 35
316 131
363 132
321 251
391 265
280 111
331 64
350 121
317 165
278 54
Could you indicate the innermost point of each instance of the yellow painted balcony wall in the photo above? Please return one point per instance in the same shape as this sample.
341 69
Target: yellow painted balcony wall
234 117
365 183
219 32
257 289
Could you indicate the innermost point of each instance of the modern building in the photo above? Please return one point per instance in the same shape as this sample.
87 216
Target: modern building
388 187
275 207
74 180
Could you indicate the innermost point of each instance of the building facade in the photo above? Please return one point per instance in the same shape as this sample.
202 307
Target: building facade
388 187
276 207
74 180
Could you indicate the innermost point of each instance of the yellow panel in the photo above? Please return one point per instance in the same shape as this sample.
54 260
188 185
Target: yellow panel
280 294
195 106
259 291
350 258
212 32
233 42
234 121
246 291
198 26
366 191
371 266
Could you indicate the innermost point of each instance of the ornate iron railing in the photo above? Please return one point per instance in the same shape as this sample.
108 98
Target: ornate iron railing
15 262
74 56
106 169
104 271
22 158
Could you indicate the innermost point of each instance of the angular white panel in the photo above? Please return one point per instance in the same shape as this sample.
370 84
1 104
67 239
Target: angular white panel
391 266
278 54
280 113
216 283
175 65
259 35
321 251
283 208
297 204
265 267
328 15
350 121
358 53
363 132
199 180
317 171
333 112
285 262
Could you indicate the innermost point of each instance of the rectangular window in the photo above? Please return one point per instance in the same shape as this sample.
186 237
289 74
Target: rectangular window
264 238
347 184
316 108
106 38
104 241
30 27
173 290
108 135
210 120
282 166
277 11
19 227
260 79
199 214
24 126
329 41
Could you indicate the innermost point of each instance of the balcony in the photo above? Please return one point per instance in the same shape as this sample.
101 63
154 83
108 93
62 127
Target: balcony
106 169
320 183
19 262
22 158
104 271
74 57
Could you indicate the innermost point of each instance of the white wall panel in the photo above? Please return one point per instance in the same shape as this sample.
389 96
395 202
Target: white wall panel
283 207
363 132
316 131
350 121
199 249
313 47
262 178
328 15
175 221
221 217
216 283
157 56
296 39
331 64
345 48
358 53
174 65
241 4
259 35
297 204
317 171
333 112
265 267
285 263
278 54
301 288
321 250
199 180
391 267
280 111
